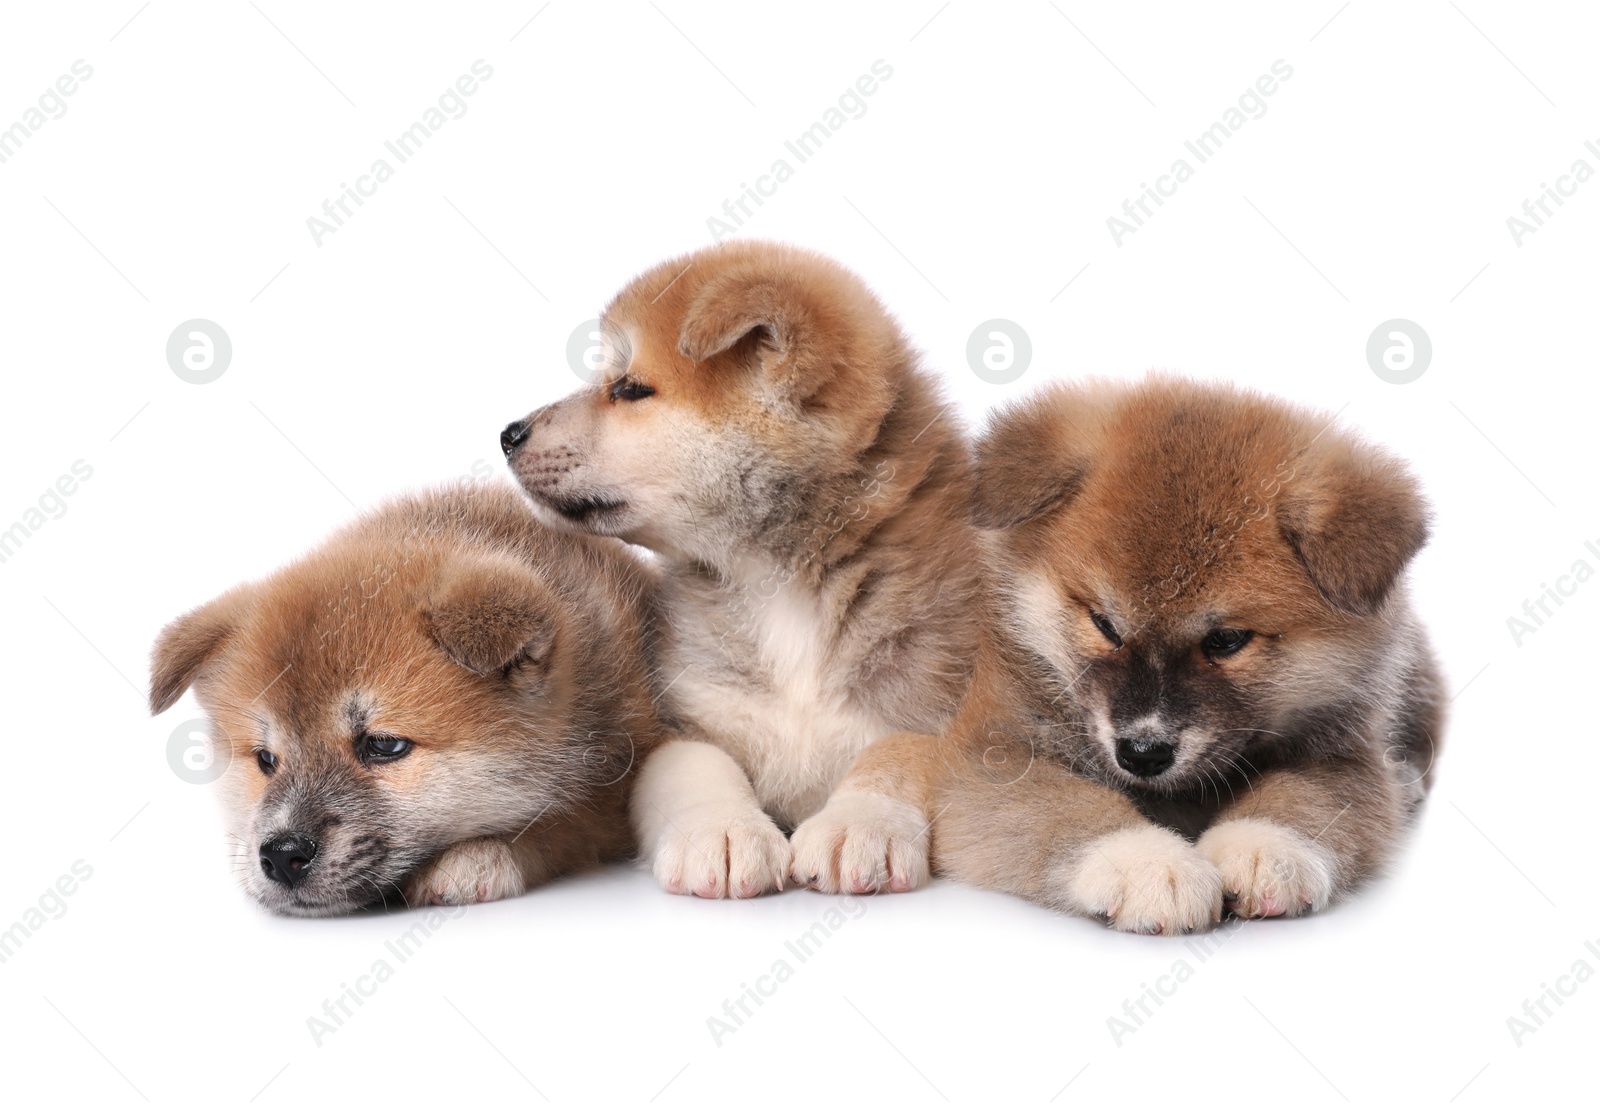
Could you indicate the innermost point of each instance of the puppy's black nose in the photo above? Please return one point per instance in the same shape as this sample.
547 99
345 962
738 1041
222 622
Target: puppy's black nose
1146 758
513 435
287 858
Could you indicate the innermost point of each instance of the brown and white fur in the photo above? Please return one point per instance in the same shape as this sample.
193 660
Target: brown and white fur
445 702
763 426
1208 687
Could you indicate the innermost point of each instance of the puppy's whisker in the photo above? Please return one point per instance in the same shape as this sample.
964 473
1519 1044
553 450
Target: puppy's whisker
1268 731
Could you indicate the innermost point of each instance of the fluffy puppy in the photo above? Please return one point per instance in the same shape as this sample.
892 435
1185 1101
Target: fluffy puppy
1208 687
762 425
444 701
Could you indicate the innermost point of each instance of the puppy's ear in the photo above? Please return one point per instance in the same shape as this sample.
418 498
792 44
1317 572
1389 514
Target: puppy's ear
185 646
1355 518
1026 465
493 615
771 316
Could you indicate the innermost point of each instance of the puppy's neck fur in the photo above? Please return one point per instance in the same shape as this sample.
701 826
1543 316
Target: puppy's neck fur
913 474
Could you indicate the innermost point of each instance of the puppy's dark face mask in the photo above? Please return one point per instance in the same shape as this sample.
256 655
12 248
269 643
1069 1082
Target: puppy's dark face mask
374 715
1172 704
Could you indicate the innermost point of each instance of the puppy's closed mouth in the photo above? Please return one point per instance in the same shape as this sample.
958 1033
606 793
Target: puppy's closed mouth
583 509
371 891
318 906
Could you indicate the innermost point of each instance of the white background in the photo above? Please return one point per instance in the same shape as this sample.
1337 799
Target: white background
976 185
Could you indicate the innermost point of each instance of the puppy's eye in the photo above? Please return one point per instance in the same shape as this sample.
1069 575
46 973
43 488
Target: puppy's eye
377 746
1102 623
267 761
1225 642
630 390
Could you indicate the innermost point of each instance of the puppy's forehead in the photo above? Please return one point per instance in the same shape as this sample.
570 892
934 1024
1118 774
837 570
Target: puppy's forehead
299 721
302 693
1161 532
345 616
666 290
620 339
664 293
1138 609
1177 514
647 313
641 339
327 628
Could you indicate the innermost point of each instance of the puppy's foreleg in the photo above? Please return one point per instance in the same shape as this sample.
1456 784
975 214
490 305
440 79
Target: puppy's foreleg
1304 836
700 826
873 832
488 868
1030 827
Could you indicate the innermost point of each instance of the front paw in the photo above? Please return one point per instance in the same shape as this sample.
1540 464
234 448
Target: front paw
475 870
861 843
738 853
1147 880
1269 869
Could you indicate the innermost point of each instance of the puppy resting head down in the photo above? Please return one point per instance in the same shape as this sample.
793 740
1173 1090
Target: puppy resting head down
442 671
1199 569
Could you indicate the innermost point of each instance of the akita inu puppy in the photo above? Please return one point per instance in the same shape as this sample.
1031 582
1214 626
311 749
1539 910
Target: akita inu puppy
1208 687
763 426
446 701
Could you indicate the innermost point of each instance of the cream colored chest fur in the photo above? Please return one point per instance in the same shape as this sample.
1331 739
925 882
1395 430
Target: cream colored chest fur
759 678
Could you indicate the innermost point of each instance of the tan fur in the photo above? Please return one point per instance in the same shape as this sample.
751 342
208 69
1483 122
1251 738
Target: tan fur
1172 509
807 493
513 657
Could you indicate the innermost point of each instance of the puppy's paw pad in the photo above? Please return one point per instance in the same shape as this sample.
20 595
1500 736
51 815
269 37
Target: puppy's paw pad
469 872
862 843
1147 880
1269 869
743 855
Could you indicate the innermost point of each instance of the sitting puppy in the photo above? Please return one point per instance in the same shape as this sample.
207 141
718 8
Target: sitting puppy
1209 687
445 701
763 426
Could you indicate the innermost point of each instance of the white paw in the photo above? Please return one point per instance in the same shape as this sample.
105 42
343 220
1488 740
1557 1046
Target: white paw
861 843
738 854
483 869
1148 880
1269 869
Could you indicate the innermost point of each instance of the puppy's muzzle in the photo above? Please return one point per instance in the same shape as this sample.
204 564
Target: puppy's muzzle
512 436
287 859
1144 757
